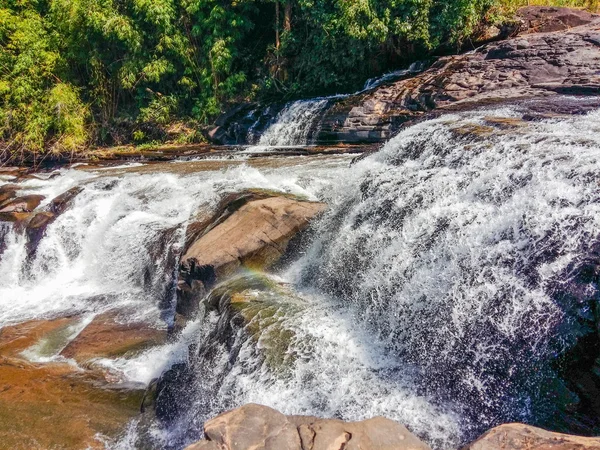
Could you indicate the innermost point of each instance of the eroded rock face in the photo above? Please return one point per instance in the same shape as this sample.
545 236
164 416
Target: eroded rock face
528 66
249 231
525 437
260 427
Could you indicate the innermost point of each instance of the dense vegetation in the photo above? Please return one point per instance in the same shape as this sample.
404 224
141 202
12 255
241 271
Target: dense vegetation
104 72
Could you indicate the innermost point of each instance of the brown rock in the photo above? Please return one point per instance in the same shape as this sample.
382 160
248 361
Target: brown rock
250 231
27 203
538 19
106 337
7 192
44 406
256 235
525 437
59 204
259 427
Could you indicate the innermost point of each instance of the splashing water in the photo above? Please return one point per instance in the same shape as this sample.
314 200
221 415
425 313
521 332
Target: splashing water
117 244
294 125
443 282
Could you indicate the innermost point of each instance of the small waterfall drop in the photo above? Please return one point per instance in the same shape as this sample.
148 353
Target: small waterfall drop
294 125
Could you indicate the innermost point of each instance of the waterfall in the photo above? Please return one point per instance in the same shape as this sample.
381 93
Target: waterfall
466 245
116 245
295 124
451 271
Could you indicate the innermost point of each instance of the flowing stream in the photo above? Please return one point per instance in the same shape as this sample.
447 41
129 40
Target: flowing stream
451 269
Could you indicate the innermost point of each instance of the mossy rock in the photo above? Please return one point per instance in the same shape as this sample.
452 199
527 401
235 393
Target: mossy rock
260 307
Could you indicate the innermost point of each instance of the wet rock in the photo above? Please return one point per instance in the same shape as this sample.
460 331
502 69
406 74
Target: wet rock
36 228
24 204
252 230
108 336
7 192
59 204
55 405
525 437
260 427
35 225
252 312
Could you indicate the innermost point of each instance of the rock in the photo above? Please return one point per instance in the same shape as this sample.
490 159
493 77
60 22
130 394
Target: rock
55 405
249 231
253 312
35 224
24 204
7 192
59 204
525 437
537 19
260 427
108 337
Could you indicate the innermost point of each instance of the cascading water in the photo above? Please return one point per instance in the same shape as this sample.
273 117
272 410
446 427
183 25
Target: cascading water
116 246
297 124
449 273
294 125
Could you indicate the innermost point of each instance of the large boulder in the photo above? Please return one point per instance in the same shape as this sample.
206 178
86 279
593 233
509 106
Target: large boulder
249 230
262 428
525 437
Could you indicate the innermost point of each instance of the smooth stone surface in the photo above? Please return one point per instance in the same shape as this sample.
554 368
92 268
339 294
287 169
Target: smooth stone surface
524 437
262 428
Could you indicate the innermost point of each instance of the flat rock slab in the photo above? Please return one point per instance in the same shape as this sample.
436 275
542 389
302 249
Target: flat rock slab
260 427
524 437
55 405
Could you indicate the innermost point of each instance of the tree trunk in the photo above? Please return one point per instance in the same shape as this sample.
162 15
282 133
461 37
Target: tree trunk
277 42
287 21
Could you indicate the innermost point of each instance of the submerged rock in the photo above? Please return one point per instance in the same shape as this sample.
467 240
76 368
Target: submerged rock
244 318
260 427
525 437
249 230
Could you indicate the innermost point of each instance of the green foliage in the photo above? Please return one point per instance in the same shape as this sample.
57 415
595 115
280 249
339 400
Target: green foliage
81 72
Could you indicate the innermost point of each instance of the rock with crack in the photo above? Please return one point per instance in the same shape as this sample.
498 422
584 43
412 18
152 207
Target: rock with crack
249 230
260 427
525 437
